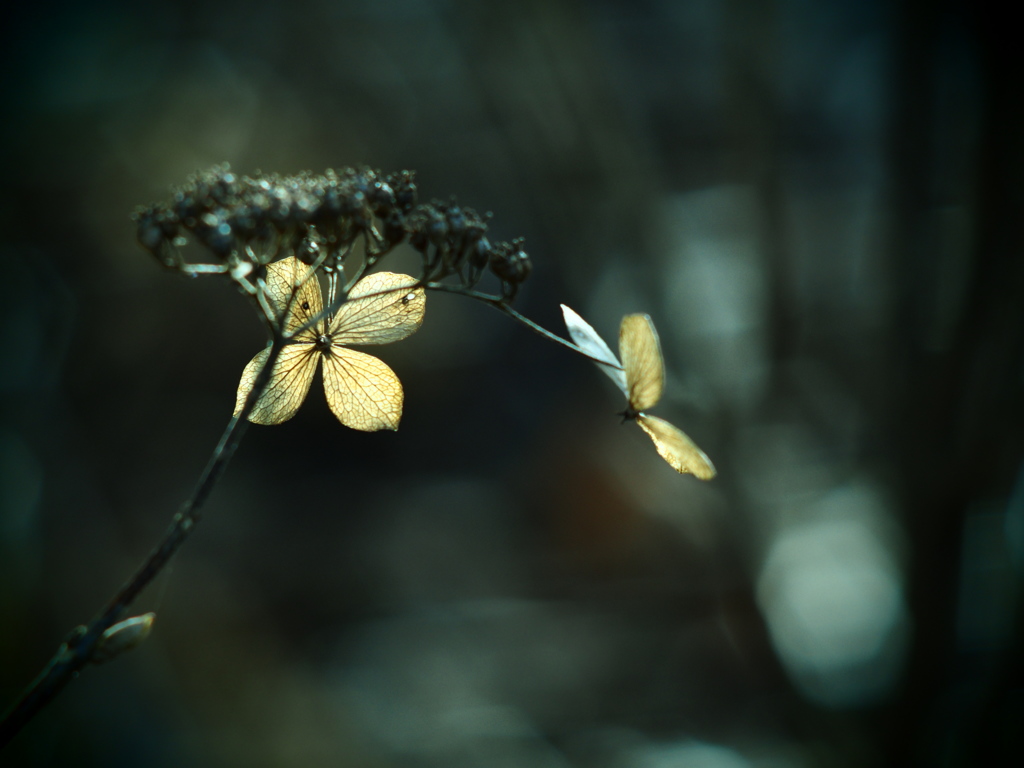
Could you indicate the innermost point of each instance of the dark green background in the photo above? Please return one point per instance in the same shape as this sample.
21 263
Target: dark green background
818 203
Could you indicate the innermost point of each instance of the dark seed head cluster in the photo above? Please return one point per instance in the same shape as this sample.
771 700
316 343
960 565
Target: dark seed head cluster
252 221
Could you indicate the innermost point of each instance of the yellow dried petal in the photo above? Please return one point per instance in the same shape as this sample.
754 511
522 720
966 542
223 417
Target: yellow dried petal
362 391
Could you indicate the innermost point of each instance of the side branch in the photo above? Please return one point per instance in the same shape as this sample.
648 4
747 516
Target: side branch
499 303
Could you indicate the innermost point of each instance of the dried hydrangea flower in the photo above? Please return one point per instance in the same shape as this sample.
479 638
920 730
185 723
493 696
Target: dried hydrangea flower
362 391
641 376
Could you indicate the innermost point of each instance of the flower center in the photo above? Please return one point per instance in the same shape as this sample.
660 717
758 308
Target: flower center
323 343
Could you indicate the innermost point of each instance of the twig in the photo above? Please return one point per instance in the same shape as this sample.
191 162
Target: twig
81 644
502 306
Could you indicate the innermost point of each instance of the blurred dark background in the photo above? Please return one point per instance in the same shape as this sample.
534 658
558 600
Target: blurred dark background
820 205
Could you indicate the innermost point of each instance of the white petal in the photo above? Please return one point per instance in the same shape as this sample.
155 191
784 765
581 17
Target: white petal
593 346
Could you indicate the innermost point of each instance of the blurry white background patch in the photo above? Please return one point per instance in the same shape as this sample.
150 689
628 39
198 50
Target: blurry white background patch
832 594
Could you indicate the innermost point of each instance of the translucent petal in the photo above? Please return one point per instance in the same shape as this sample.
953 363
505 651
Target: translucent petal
293 287
287 387
386 314
676 447
592 345
642 361
362 391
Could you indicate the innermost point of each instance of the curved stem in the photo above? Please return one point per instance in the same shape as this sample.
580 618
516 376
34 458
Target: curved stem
499 304
81 644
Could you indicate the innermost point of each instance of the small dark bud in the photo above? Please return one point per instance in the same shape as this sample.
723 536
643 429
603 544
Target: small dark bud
122 637
406 194
215 232
382 199
436 227
473 232
154 229
523 265
418 240
279 205
330 206
151 236
363 182
245 222
187 208
309 249
480 253
222 185
511 263
353 203
456 221
304 206
394 228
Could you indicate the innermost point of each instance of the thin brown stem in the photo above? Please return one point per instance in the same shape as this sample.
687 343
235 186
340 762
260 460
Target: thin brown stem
502 306
81 644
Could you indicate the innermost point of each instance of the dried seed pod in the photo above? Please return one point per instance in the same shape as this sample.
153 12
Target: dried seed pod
353 202
265 217
214 231
223 184
479 255
406 194
156 230
304 205
466 229
512 266
154 227
510 263
247 222
436 226
394 228
481 252
330 203
418 240
279 205
456 221
309 248
382 199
